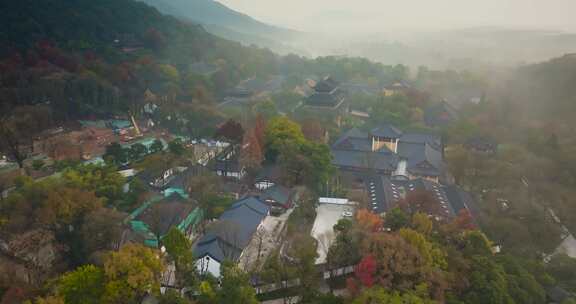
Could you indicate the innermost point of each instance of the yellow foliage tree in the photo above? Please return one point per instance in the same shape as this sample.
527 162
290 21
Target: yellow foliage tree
131 273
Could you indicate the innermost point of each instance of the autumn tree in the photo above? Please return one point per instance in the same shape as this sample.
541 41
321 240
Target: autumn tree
464 220
432 255
251 153
231 131
313 131
420 201
49 203
101 230
260 130
366 270
131 273
399 264
396 219
105 181
368 221
83 285
422 223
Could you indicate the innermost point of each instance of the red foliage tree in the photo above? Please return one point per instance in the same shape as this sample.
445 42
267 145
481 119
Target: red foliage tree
352 286
48 52
421 201
464 220
252 155
313 130
369 221
366 270
260 129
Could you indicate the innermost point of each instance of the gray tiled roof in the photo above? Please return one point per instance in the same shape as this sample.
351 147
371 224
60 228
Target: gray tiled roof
379 194
351 143
279 194
386 131
217 248
182 179
271 173
228 237
459 199
166 213
423 152
422 158
385 192
332 100
440 114
365 160
352 134
326 85
421 138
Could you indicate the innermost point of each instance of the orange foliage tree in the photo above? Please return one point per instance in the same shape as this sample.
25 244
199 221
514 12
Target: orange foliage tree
368 221
252 155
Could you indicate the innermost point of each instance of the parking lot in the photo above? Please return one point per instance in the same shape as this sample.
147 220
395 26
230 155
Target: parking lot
327 215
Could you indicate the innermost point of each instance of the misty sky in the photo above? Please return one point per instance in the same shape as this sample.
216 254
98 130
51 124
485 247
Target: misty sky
383 15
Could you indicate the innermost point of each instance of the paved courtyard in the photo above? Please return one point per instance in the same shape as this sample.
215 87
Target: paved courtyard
327 215
267 238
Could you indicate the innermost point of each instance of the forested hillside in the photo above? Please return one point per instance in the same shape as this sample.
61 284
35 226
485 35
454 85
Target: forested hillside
90 58
214 13
104 55
528 186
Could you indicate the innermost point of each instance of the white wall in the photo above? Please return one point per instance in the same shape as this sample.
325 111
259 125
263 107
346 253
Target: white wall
263 185
208 264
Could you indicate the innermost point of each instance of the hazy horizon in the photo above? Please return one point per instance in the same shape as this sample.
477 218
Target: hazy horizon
386 15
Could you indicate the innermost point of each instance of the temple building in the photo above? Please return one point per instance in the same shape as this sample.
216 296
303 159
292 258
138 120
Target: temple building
388 151
327 101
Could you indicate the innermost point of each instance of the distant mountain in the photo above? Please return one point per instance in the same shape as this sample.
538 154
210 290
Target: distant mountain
86 24
224 21
252 39
548 88
88 57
